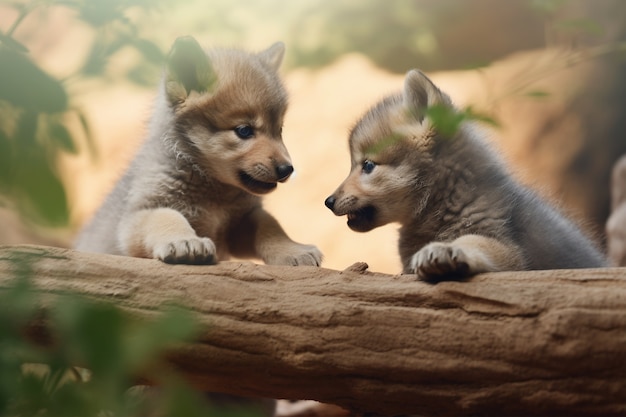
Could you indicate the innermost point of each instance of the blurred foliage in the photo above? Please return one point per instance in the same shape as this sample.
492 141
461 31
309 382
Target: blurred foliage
37 111
447 120
39 120
111 347
397 35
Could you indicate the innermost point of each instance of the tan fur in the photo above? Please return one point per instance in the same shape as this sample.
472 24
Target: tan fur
460 212
192 193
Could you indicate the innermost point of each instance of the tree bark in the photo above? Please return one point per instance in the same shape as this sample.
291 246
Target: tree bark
513 343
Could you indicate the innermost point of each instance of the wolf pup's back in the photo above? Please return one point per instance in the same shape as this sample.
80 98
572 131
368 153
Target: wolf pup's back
460 211
193 192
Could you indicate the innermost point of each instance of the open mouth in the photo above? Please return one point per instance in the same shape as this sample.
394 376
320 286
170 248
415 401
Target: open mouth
255 186
362 220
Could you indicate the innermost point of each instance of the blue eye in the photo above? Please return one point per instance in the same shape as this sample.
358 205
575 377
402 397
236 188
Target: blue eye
368 166
244 131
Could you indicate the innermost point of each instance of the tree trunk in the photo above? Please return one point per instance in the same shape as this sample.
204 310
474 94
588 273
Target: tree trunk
514 343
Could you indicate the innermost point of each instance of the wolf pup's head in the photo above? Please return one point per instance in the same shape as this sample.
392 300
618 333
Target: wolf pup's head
228 108
392 152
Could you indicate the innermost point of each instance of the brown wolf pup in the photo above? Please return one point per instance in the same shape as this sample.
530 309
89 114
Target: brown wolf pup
460 212
192 193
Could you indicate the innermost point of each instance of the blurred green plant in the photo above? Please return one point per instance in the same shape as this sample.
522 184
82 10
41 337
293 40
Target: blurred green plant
562 29
447 120
111 347
36 109
395 35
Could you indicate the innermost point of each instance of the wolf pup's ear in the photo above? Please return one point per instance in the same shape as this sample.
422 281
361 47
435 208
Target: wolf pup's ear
188 69
420 93
273 56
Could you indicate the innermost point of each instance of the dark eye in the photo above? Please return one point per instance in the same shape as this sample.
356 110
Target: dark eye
368 166
244 131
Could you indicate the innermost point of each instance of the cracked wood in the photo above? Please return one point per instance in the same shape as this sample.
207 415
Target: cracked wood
516 343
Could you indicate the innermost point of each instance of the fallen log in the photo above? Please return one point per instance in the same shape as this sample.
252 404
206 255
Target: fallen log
514 343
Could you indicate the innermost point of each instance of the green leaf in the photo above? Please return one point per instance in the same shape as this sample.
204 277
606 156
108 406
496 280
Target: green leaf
9 42
27 173
95 332
25 85
91 144
189 66
73 399
537 94
470 114
172 326
98 56
17 305
6 161
144 74
33 395
445 119
38 191
100 12
181 401
26 129
60 136
149 50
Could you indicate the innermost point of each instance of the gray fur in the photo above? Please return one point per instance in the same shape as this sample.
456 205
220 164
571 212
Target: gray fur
459 209
192 194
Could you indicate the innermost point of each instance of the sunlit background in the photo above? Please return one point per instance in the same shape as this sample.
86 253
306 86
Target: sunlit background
77 79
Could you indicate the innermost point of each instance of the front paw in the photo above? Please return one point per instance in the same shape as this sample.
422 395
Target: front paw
194 251
294 254
440 261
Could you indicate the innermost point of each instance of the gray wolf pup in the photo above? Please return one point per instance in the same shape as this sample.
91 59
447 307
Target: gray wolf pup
192 193
460 212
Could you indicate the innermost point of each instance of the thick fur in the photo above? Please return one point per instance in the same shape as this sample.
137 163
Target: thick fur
192 193
460 212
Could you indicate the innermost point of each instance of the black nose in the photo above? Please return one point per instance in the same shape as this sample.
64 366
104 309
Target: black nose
330 202
283 172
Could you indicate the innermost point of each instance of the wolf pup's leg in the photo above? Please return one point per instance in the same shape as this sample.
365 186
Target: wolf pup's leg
164 234
463 257
276 248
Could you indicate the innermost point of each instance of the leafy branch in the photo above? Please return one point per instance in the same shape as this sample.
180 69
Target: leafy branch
111 347
36 109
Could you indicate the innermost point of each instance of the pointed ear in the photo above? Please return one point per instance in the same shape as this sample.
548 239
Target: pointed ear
420 93
188 69
273 56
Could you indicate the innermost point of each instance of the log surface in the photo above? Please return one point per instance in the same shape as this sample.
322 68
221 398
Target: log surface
514 343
